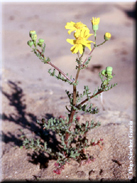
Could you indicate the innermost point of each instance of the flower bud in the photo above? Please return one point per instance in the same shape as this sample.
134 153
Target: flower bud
109 70
103 72
107 36
41 40
95 21
32 32
30 43
34 37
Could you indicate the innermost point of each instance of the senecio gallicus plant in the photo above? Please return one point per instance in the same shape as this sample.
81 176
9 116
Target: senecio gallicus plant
72 134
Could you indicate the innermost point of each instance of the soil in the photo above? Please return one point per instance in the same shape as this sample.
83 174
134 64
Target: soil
29 93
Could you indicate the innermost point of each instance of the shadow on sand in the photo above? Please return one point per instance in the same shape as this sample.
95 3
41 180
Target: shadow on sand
27 121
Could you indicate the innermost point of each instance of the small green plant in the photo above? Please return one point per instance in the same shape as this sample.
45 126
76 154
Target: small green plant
71 132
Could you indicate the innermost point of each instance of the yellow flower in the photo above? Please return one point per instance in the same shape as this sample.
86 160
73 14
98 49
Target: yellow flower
95 21
107 36
80 42
75 27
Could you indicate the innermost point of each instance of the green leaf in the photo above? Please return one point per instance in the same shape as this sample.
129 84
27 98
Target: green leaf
87 62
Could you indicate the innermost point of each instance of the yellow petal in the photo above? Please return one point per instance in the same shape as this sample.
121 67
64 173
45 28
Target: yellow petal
80 47
69 32
73 49
77 33
88 46
69 25
95 21
71 41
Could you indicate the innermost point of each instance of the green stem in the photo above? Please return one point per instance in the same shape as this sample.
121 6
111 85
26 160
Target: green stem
55 67
72 113
101 43
100 91
74 87
92 51
60 71
88 56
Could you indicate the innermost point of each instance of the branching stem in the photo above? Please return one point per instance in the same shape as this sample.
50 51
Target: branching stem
56 68
100 91
88 56
72 113
92 51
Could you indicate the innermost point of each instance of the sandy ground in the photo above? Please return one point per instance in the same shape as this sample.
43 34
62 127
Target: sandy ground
30 93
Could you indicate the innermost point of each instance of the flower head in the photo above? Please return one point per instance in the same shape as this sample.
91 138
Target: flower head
107 36
75 27
95 21
80 42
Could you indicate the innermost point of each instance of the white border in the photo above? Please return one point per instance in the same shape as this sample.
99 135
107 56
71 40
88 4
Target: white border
33 1
68 1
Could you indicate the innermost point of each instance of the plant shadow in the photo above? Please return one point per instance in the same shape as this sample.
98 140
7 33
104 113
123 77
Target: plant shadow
28 121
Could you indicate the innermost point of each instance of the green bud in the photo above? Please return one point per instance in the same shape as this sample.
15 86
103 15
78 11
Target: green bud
30 43
109 69
109 74
41 40
103 72
34 37
32 33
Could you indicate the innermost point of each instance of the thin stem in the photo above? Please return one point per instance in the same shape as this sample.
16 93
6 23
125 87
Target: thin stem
95 39
60 71
56 68
78 54
74 87
72 113
40 53
100 91
92 51
101 43
88 56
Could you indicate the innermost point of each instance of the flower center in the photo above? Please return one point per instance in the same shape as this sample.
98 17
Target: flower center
79 25
79 40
